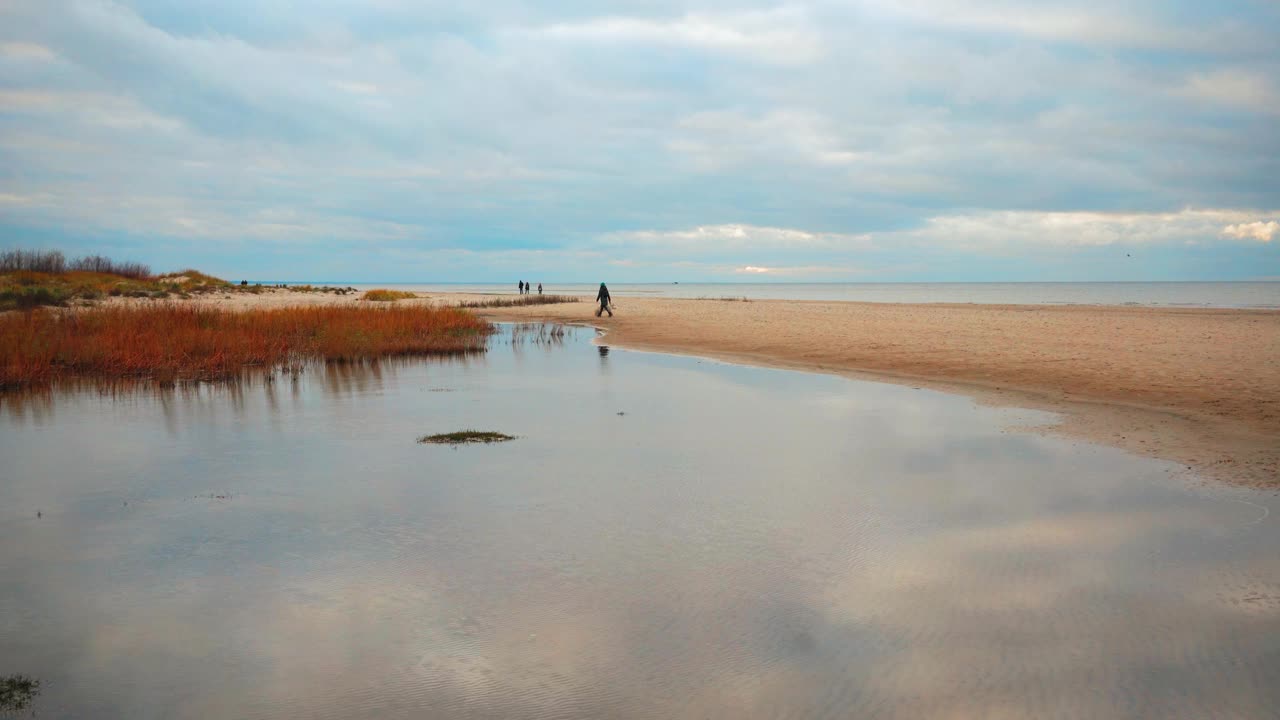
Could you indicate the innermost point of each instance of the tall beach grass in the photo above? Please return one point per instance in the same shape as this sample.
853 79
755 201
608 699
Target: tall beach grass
171 342
383 295
519 301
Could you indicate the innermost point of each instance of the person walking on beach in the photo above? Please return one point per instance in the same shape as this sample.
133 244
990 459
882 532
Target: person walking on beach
603 298
539 288
520 288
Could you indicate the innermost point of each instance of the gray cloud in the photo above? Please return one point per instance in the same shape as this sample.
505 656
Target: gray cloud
514 125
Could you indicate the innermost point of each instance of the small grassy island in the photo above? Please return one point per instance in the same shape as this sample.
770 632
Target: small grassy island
17 692
463 437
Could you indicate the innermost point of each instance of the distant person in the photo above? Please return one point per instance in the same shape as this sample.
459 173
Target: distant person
602 297
520 287
539 288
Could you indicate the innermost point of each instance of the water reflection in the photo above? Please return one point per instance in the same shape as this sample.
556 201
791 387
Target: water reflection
336 378
741 543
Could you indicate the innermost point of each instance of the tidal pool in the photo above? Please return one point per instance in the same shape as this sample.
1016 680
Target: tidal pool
666 537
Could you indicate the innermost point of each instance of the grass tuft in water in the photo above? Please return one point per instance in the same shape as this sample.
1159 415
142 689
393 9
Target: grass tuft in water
466 436
17 692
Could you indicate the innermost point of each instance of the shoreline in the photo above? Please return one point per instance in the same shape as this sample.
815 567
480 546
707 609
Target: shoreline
1196 386
1111 386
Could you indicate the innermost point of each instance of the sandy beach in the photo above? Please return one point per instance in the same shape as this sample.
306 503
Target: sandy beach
1197 386
1200 387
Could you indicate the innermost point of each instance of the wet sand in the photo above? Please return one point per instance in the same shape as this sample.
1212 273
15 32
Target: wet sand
1197 386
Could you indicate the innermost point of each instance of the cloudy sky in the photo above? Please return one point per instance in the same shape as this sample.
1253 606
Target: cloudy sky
647 140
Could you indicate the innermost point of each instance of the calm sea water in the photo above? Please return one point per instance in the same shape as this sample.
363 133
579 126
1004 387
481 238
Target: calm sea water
667 538
1177 294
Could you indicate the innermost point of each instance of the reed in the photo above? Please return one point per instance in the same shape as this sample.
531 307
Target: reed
172 342
520 301
381 295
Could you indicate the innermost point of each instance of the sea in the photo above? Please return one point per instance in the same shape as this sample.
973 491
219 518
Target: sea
1163 294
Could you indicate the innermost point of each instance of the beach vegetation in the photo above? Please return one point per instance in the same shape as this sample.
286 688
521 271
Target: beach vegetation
35 278
172 342
462 437
319 289
382 295
519 301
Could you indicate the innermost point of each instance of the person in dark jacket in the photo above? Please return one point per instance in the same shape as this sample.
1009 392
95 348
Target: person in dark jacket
539 288
602 297
520 287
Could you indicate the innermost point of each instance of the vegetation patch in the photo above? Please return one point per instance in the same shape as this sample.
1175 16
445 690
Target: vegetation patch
35 278
381 295
519 301
463 437
173 342
17 692
320 289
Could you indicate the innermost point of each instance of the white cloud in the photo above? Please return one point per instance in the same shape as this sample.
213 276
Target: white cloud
996 230
1237 88
17 200
778 36
26 51
734 237
796 270
88 108
976 231
716 140
1086 22
1256 230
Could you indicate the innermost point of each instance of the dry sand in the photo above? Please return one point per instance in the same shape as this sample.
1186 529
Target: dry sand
1197 386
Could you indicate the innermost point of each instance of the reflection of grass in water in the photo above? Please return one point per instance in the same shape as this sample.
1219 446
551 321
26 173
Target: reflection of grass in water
537 333
17 692
466 436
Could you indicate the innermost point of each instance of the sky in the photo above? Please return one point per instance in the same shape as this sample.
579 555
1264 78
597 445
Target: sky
647 140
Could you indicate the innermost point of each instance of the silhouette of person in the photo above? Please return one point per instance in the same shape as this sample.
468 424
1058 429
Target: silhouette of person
539 288
520 287
603 298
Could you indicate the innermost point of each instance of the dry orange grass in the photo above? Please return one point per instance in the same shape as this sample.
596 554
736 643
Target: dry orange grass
381 295
176 342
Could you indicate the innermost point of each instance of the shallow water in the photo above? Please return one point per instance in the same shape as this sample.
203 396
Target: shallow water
667 537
